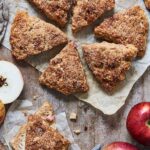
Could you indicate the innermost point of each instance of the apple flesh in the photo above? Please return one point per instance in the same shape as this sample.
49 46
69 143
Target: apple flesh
11 82
120 146
138 123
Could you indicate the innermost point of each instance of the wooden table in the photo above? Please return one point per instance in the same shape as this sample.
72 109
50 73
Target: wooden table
95 126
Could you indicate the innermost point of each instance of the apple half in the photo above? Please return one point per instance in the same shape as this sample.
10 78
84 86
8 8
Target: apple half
11 82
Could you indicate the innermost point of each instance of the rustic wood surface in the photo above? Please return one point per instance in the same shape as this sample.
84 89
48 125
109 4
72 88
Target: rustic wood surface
95 127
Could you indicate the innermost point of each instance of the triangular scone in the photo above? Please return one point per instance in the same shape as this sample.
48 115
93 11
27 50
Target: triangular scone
46 112
56 10
40 136
30 36
126 27
86 12
147 3
65 72
109 62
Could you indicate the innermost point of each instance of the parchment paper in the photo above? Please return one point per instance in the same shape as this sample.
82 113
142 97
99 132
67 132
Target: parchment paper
16 117
108 104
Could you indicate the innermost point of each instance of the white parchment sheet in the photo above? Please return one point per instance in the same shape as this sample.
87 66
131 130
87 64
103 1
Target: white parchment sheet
16 118
108 104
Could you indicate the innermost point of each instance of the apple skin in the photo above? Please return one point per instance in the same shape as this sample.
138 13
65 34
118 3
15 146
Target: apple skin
120 146
138 123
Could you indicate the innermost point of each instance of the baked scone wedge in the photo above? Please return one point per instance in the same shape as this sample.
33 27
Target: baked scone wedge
147 4
86 12
45 115
126 27
46 110
30 36
56 10
65 72
109 62
40 136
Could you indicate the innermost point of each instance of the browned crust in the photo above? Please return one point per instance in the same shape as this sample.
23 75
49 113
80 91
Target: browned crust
54 10
126 27
109 62
41 136
147 4
65 72
30 36
86 12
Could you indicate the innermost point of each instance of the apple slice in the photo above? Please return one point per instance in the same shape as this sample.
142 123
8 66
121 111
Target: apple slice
11 82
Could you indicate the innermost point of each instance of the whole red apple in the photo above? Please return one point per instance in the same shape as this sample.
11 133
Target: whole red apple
120 146
138 123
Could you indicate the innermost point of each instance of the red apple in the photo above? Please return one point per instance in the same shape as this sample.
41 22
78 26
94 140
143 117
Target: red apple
120 146
138 123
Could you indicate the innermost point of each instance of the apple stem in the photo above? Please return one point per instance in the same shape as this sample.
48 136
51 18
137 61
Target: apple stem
3 81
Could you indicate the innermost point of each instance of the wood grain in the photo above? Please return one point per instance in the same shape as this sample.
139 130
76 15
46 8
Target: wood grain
95 127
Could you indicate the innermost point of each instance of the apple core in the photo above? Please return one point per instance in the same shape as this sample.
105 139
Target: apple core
2 81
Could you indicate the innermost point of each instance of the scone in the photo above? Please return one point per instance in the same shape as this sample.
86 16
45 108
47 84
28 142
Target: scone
30 36
40 132
147 3
56 10
109 62
65 72
126 27
40 136
86 12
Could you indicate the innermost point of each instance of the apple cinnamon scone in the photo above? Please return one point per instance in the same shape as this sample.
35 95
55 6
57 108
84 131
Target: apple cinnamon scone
126 27
147 4
40 136
65 72
86 12
40 132
109 62
30 36
56 10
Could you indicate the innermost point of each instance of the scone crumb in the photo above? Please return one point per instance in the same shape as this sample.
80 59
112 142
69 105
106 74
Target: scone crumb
35 97
77 131
73 116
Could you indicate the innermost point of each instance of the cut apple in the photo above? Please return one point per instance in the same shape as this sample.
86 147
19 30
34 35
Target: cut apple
11 82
